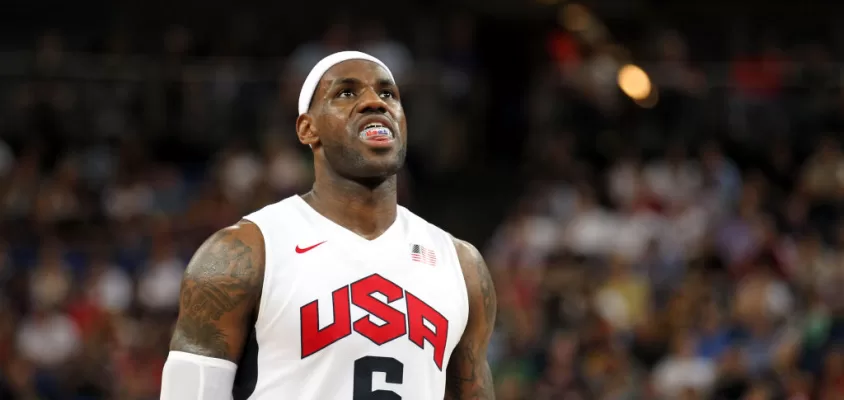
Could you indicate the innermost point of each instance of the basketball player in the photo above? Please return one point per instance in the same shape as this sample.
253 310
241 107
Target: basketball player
339 293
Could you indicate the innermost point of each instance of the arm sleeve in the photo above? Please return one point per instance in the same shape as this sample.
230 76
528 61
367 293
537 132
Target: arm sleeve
189 376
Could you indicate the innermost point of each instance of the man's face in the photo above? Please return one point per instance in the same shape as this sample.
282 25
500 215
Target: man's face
356 121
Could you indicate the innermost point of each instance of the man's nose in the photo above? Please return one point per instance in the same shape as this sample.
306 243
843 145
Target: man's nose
370 101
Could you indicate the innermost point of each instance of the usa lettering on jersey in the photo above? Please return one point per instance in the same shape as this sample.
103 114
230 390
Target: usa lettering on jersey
397 324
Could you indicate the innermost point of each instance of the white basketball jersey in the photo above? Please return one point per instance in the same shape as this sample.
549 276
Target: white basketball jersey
346 318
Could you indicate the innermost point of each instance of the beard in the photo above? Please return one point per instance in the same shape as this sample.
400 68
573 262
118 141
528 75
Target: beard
350 163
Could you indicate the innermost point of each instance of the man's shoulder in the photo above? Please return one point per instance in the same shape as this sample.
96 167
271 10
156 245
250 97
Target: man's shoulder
236 251
467 253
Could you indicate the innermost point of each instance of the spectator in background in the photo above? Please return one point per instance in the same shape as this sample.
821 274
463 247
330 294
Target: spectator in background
109 287
674 179
58 200
759 77
127 198
49 338
240 174
721 176
50 281
714 336
287 170
823 182
561 378
158 285
624 300
682 370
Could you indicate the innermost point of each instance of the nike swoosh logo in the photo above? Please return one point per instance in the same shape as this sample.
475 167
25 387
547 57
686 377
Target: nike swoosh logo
301 250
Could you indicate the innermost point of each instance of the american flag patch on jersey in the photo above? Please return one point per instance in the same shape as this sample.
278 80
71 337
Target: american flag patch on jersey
419 253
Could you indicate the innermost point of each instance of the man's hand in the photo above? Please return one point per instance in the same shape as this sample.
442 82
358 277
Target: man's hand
220 292
468 376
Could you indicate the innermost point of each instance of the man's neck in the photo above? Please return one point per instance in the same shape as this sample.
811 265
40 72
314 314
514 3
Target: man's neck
366 210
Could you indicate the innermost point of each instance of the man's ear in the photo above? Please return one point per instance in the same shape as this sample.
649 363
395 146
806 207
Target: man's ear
305 130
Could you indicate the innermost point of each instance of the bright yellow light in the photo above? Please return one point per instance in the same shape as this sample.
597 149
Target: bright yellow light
634 82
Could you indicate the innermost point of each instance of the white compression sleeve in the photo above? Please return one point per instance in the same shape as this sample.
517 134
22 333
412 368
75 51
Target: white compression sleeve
189 376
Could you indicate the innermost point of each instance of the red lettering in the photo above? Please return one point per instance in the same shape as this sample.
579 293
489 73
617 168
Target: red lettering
315 339
417 313
394 326
396 323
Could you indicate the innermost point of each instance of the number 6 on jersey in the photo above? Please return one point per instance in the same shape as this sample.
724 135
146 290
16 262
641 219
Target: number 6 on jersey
366 367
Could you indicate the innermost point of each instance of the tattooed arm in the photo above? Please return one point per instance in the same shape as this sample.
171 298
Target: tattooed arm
468 376
220 291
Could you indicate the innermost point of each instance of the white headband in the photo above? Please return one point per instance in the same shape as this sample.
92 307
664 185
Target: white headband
312 81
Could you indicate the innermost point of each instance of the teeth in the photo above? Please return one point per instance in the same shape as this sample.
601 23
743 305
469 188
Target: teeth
374 131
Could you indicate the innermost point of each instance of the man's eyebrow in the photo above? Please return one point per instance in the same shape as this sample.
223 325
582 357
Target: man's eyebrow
386 82
345 81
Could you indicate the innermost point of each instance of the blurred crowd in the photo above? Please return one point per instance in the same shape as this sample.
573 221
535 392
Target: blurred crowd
679 277
688 252
688 247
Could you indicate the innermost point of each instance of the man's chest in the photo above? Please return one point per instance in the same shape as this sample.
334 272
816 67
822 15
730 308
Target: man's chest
353 304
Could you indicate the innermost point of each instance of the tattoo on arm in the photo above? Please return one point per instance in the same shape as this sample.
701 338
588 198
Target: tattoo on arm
487 293
468 375
219 292
471 378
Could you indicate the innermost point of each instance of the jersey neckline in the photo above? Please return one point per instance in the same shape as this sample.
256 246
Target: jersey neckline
334 229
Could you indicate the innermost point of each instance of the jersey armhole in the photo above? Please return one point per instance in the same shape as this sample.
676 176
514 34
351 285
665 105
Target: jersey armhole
460 275
268 270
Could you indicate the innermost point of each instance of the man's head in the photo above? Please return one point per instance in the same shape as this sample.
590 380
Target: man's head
350 113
